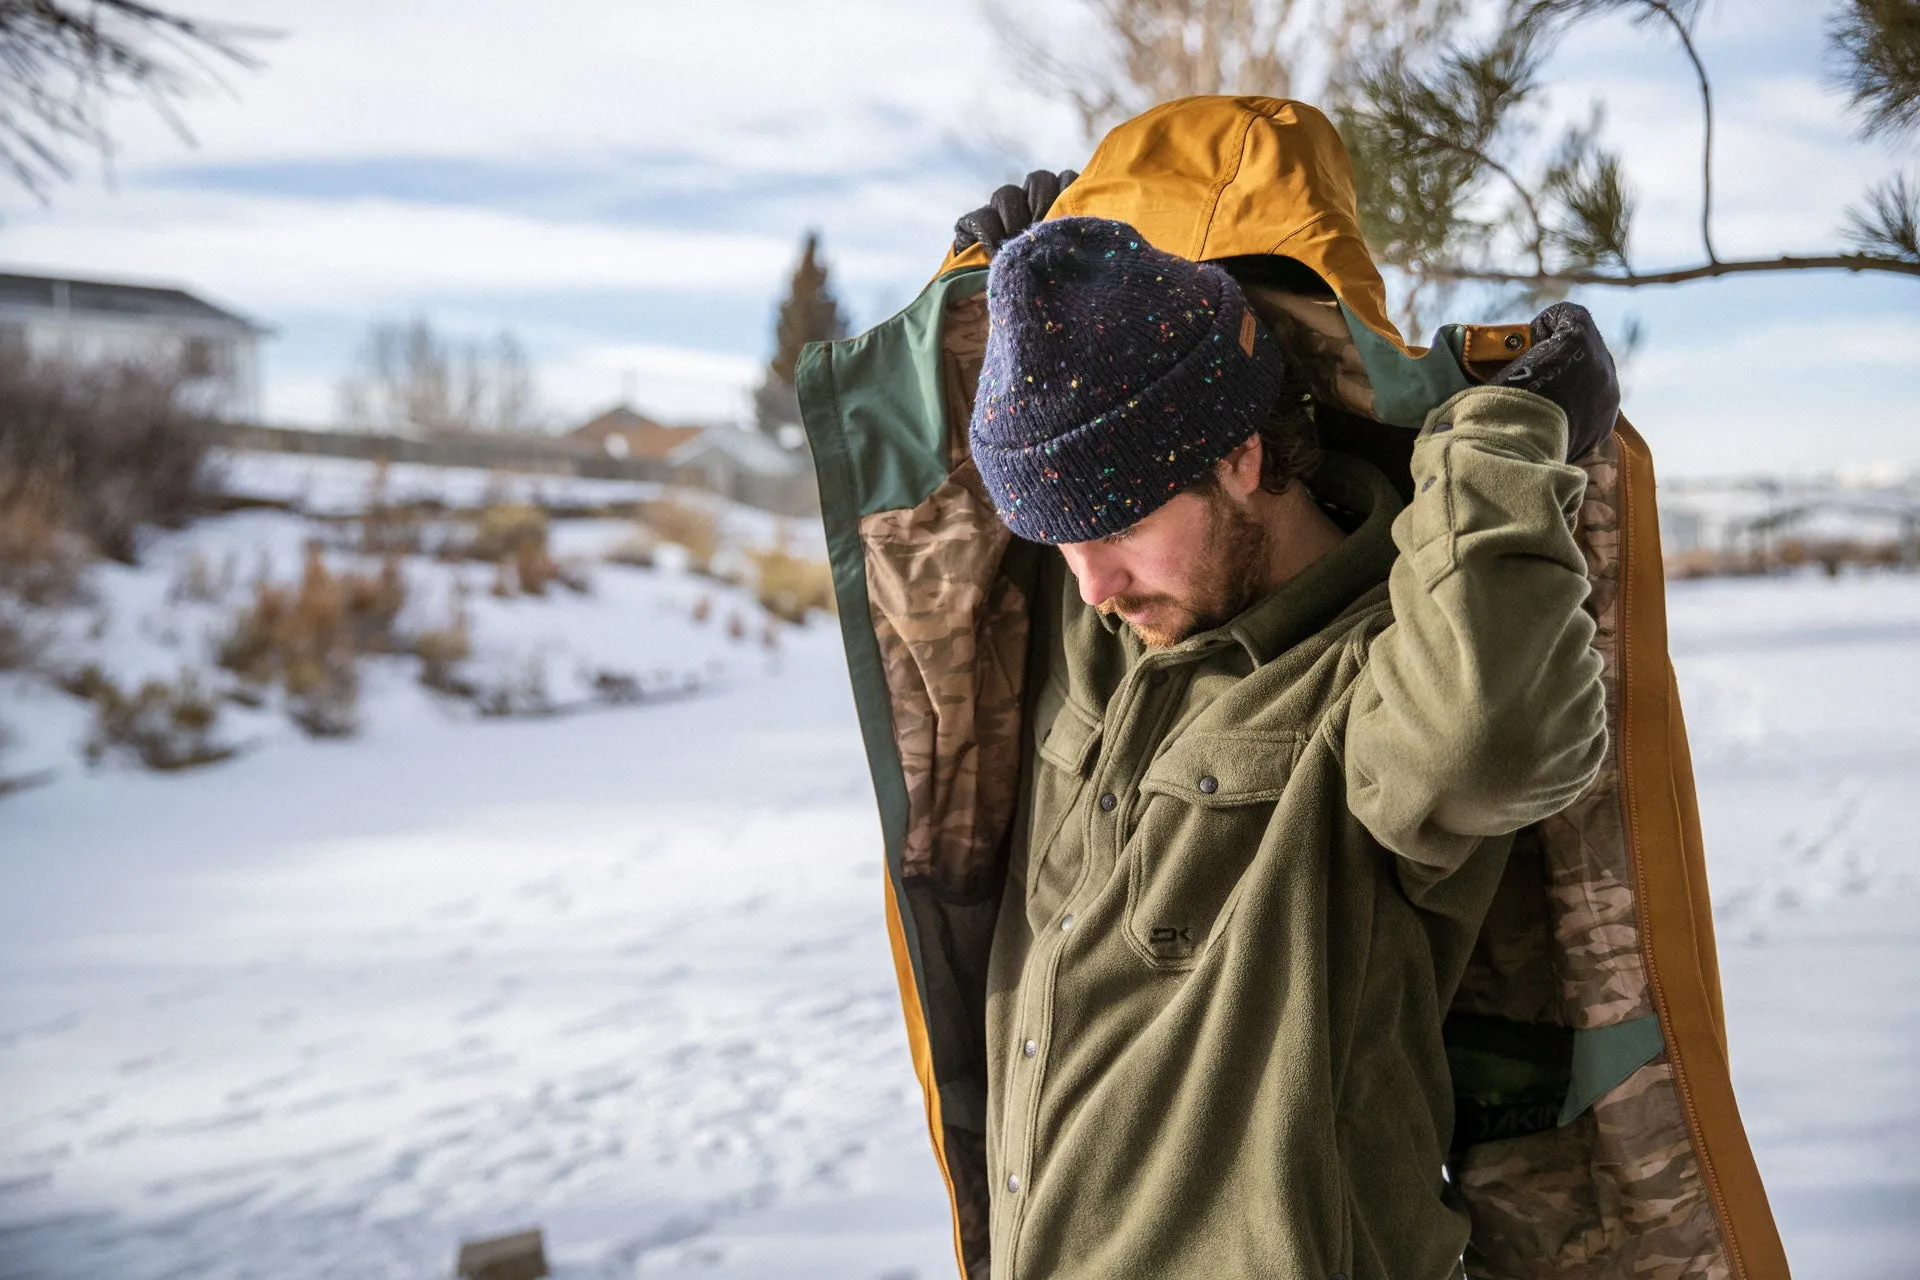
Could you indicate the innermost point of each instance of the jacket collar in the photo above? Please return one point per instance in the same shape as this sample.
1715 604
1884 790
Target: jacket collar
1324 589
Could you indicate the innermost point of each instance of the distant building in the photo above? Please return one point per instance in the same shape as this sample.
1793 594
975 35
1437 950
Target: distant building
216 352
624 433
749 468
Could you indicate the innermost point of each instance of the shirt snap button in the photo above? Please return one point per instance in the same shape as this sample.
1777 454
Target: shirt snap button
1013 1182
1109 802
1209 784
1030 1048
1066 923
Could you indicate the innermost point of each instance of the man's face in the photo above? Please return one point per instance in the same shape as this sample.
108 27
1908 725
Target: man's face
1193 564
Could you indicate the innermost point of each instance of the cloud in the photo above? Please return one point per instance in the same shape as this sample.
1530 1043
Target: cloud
624 185
365 255
675 383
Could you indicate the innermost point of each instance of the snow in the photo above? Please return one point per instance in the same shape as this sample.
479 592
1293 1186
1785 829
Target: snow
333 1006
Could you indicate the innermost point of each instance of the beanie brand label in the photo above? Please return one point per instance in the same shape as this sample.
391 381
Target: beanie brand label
1246 330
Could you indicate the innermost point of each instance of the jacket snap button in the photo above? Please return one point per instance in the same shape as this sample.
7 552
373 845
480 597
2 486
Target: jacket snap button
1030 1048
1209 784
1109 802
1013 1182
1066 923
1513 344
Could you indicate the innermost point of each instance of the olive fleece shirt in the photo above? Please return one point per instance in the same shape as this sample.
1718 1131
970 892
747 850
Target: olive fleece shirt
1254 864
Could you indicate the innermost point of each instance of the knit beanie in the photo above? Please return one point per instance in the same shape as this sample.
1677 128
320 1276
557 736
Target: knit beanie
1115 376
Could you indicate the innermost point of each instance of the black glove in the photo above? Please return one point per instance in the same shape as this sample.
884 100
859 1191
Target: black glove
1010 210
1569 365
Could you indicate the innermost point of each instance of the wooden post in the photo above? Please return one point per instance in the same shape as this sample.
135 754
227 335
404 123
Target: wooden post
520 1256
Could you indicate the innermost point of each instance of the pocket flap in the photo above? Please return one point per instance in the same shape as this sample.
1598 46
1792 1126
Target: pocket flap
1225 767
1071 739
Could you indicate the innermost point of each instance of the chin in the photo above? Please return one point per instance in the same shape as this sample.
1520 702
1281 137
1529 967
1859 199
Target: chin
1158 636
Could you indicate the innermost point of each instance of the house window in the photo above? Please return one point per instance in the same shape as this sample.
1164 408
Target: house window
200 359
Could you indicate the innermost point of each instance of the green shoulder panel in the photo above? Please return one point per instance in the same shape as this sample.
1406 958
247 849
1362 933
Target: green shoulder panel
876 403
875 417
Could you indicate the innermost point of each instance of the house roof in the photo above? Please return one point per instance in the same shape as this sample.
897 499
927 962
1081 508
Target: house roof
642 437
20 292
747 448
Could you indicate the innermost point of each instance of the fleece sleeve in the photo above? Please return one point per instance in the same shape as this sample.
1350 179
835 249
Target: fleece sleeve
1479 708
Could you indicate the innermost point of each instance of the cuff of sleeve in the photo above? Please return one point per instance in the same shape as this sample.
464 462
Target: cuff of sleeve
1528 425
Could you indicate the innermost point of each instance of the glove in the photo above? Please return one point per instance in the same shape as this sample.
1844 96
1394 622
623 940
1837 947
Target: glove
1010 210
1569 365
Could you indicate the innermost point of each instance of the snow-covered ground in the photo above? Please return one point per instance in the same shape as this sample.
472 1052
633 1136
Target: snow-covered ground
328 1008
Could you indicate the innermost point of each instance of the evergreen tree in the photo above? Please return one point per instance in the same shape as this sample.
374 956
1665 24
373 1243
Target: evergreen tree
810 313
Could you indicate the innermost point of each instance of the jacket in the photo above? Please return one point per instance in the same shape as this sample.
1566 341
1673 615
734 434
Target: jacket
1595 1131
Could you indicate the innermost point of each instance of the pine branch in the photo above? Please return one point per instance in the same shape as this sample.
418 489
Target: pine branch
1586 185
1704 271
1877 46
1679 14
1889 225
63 61
1424 141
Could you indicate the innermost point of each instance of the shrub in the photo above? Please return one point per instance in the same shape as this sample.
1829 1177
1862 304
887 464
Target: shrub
165 726
788 587
513 536
41 556
686 524
441 650
309 639
507 528
114 445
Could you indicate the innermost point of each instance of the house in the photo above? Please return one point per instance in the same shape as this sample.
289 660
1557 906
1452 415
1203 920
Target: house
88 322
749 468
623 433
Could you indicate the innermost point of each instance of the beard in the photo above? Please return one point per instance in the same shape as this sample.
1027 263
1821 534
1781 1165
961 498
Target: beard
1230 574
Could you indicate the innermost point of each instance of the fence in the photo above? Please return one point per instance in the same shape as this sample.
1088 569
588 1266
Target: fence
792 494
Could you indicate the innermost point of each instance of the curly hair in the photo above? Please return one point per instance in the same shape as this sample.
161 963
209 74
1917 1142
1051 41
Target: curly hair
1290 434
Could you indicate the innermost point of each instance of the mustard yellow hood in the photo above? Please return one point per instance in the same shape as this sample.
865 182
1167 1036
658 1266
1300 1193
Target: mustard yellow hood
1216 177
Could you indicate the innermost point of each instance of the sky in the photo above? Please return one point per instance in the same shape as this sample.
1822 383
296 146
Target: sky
625 186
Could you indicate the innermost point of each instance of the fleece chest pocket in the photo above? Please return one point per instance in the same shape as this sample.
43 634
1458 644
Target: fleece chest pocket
1205 804
1066 755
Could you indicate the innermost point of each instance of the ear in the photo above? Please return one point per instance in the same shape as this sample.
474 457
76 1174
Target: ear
1239 471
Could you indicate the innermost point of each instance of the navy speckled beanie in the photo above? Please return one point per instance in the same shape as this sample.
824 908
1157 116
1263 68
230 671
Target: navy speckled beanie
1115 376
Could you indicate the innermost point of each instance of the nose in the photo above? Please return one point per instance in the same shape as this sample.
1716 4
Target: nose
1099 575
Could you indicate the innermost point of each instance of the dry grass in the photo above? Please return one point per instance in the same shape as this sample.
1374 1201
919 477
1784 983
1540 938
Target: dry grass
513 538
309 638
686 524
441 650
789 587
1786 555
41 556
164 726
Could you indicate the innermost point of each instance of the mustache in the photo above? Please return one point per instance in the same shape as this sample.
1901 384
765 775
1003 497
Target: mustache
1133 604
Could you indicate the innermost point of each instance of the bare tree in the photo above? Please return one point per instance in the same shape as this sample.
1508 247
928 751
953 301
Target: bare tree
63 63
1447 194
1146 52
408 375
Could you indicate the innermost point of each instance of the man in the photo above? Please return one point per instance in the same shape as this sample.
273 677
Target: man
1286 730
